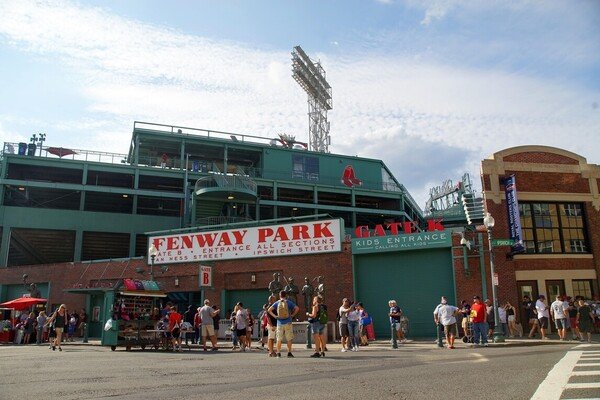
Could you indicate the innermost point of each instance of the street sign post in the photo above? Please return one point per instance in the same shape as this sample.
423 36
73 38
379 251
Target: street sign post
502 242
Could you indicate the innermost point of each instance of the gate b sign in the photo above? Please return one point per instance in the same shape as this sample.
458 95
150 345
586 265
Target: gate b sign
205 276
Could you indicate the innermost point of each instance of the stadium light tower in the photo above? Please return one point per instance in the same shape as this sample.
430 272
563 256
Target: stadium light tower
311 77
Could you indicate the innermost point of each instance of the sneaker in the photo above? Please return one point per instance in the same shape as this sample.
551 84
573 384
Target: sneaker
278 355
485 345
451 347
214 349
344 350
290 355
53 348
545 338
356 348
59 348
322 354
316 355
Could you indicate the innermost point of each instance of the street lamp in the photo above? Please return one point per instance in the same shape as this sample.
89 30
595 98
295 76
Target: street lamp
489 222
152 252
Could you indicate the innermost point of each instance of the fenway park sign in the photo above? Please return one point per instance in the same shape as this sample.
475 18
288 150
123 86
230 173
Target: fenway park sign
324 236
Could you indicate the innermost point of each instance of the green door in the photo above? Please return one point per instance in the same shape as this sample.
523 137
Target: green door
415 279
253 299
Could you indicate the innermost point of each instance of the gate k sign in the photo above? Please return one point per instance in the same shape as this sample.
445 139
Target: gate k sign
205 276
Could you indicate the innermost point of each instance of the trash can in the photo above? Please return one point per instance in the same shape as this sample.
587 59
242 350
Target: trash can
22 148
31 149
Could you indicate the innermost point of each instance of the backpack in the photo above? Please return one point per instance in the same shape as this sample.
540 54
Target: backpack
283 311
322 316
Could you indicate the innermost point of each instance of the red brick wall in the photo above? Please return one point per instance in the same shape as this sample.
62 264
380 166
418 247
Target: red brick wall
550 182
540 157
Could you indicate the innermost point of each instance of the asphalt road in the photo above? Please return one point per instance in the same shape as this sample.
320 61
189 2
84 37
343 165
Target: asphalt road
415 371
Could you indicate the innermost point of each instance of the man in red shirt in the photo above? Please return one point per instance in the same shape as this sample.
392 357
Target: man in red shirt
175 328
480 328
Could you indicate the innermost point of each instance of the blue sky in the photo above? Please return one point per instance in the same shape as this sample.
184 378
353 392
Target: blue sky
431 87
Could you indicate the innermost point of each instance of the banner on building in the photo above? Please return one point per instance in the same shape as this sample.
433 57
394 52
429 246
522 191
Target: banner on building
205 276
514 219
300 238
415 241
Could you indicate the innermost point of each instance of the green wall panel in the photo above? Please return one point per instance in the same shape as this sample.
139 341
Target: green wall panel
253 299
16 291
415 279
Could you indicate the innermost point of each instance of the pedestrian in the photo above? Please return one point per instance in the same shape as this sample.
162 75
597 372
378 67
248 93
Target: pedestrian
207 313
249 328
465 310
72 326
197 325
216 319
41 327
83 319
241 323
573 320
188 316
585 320
503 319
28 327
262 327
233 329
445 315
271 328
317 318
530 315
480 326
284 310
343 324
543 315
395 317
559 314
59 320
365 322
175 321
353 327
490 318
512 320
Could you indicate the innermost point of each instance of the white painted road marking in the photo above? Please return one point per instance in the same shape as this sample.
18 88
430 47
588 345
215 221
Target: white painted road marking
552 387
586 385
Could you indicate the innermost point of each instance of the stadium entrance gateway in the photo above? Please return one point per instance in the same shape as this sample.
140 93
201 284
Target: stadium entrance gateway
414 269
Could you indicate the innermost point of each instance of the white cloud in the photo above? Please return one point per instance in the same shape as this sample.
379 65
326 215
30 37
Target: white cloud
427 121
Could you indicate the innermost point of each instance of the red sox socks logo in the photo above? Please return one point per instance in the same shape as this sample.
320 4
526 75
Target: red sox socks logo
349 177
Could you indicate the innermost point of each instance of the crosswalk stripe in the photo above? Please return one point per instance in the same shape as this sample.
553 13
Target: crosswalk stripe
585 373
592 364
587 385
552 387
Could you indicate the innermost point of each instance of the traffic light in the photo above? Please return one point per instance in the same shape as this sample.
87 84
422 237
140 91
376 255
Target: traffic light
473 208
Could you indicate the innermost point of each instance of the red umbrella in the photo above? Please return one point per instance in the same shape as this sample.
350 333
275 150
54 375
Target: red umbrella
23 303
60 151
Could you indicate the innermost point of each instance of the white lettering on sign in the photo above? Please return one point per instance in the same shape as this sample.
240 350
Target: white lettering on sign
299 238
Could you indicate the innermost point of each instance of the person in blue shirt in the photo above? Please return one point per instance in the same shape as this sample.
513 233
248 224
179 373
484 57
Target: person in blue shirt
284 310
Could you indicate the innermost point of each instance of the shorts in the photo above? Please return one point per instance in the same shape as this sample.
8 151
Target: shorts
511 318
450 329
344 332
543 322
567 323
208 330
175 333
285 332
240 332
396 325
317 328
533 321
265 333
58 330
561 323
464 323
272 333
573 322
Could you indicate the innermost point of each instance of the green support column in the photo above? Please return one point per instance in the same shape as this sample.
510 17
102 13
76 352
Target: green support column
78 245
482 266
225 155
5 246
136 151
132 243
182 156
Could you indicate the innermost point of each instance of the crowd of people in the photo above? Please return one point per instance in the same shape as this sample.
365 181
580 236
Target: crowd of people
38 327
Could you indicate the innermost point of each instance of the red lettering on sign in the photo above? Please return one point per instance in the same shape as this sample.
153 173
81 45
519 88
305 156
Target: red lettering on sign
322 230
435 225
410 227
224 241
379 231
395 227
239 236
206 239
186 242
205 278
281 234
300 232
362 231
263 233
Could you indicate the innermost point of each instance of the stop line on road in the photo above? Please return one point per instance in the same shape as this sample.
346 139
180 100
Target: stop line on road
575 364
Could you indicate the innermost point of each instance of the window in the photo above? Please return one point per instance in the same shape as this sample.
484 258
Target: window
553 228
305 167
583 288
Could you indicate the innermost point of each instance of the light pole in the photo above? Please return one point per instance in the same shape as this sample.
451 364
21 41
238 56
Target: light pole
489 222
152 252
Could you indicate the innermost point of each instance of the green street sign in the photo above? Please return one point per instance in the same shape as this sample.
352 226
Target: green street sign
502 242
